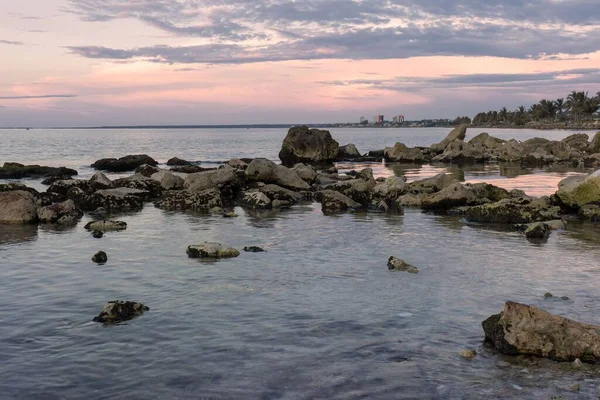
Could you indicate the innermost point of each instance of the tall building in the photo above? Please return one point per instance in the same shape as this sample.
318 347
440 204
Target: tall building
398 119
378 119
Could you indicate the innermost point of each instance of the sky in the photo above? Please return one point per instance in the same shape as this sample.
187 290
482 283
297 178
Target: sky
153 62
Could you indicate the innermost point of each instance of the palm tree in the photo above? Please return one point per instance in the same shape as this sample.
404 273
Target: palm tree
503 114
560 106
576 102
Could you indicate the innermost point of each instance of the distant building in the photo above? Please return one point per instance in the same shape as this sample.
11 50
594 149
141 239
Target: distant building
362 120
398 119
378 119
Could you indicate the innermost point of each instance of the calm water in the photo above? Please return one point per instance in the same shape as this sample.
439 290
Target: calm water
318 316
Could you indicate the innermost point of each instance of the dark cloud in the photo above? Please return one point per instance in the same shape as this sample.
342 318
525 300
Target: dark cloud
44 96
11 42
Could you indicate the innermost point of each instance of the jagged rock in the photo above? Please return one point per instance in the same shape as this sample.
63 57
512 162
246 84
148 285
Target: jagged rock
390 189
214 179
590 212
177 161
333 201
188 200
433 184
120 199
457 133
237 164
510 151
537 230
100 258
256 200
459 152
106 226
50 180
358 190
97 234
119 311
12 170
168 180
511 211
595 144
263 170
530 145
309 146
410 200
62 187
279 196
147 170
365 174
211 250
253 249
306 172
455 195
152 187
12 186
127 163
99 181
401 153
562 151
65 213
485 141
522 329
578 141
396 264
493 193
190 169
348 152
577 191
17 207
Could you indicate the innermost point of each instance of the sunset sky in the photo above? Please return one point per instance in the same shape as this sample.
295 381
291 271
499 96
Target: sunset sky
146 62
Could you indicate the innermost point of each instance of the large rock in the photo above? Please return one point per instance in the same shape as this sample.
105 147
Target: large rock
390 189
168 180
486 192
17 207
65 213
522 329
348 152
459 152
106 226
121 199
12 186
12 170
577 191
578 141
190 200
455 195
177 161
211 250
595 145
590 212
459 133
99 181
306 172
538 230
512 211
119 311
401 153
510 151
333 201
127 163
140 182
263 170
433 184
309 146
62 187
214 179
485 141
358 190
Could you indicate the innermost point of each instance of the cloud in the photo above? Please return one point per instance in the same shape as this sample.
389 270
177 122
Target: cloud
44 96
11 42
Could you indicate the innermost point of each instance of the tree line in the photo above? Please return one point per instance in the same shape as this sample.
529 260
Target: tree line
577 107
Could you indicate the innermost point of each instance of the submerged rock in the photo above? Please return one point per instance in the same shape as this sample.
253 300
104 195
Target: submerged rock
253 249
127 163
100 257
97 234
106 226
211 250
538 230
119 311
18 207
396 264
309 146
12 170
468 354
522 329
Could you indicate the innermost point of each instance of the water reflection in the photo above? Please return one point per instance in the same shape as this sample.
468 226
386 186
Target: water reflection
11 234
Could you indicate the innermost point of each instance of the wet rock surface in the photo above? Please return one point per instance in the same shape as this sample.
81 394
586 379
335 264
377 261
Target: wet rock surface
211 250
127 163
65 213
12 170
17 207
309 146
396 264
119 311
100 257
106 226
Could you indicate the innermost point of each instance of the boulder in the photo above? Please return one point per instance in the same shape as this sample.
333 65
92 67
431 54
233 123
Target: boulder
119 311
190 169
358 190
152 187
254 249
214 179
100 258
211 250
99 181
433 184
522 329
410 200
50 180
595 144
309 146
459 133
459 152
401 153
396 264
177 161
263 170
17 207
120 199
510 151
333 201
485 191
390 189
12 170
578 141
511 211
106 226
590 212
168 180
237 164
190 200
538 230
365 174
577 191
256 200
12 186
348 152
485 141
65 213
147 170
280 197
306 172
127 163
62 187
455 195
562 151
530 145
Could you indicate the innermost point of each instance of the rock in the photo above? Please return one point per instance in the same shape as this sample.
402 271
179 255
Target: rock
127 163
538 230
459 152
177 161
190 169
106 226
120 199
62 187
511 211
401 153
590 212
548 295
152 187
97 234
306 172
574 388
263 170
577 363
577 191
12 170
12 186
530 145
522 329
516 193
214 179
280 196
578 141
562 151
65 213
365 174
211 250
595 145
410 200
493 193
455 195
190 200
396 264
468 354
147 170
50 180
253 249
356 189
100 257
237 164
390 189
119 311
256 200
17 207
348 152
457 133
485 141
433 184
99 181
553 225
510 151
168 180
309 146
333 201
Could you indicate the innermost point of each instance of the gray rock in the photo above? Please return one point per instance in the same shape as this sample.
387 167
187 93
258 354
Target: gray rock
485 141
147 170
358 190
138 181
256 200
99 181
280 196
401 153
120 199
433 184
182 200
65 213
512 211
333 201
348 152
459 133
396 264
106 226
63 186
390 189
580 190
18 207
578 141
214 179
263 170
100 258
237 164
306 172
211 250
168 180
309 146
455 195
119 311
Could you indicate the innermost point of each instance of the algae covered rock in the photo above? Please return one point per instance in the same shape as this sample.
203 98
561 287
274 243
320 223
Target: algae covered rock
396 264
181 200
538 230
65 213
333 201
119 311
512 211
211 250
577 191
455 195
106 226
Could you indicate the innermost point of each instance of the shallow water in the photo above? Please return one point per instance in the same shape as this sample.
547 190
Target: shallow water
316 316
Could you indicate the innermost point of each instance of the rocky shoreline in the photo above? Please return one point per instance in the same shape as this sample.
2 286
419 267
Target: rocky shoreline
308 174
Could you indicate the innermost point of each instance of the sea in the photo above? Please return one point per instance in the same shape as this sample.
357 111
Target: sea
316 316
